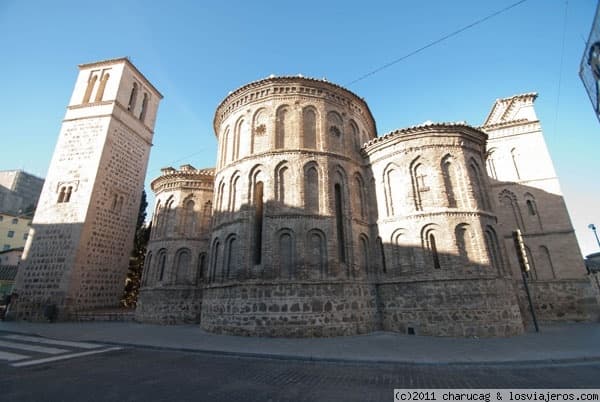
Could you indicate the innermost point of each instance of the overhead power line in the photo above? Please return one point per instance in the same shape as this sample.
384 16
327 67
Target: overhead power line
435 42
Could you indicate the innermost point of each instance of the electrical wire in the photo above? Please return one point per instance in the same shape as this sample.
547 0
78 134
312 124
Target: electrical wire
435 42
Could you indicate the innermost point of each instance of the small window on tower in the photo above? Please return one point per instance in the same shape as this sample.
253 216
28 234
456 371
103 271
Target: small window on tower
144 107
11 233
15 221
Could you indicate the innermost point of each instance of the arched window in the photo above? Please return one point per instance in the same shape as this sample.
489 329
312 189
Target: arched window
531 207
61 194
214 255
309 128
230 263
418 182
239 131
491 163
169 227
258 222
286 254
282 128
465 243
189 218
221 197
514 154
282 181
354 132
132 97
90 87
156 229
491 242
509 199
201 268
206 215
433 249
144 107
339 212
233 193
335 131
68 194
391 180
404 259
449 177
360 195
311 188
317 253
182 266
364 251
548 260
102 87
224 145
162 262
478 187
382 255
259 131
430 244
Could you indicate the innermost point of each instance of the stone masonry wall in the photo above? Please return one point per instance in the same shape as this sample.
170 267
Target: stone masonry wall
474 307
169 306
561 300
290 309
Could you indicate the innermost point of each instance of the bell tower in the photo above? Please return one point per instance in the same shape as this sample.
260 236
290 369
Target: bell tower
76 257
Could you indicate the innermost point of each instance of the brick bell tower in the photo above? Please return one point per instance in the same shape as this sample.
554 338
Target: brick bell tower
76 257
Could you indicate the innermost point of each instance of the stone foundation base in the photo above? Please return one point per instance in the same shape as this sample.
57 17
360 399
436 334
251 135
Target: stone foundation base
169 306
562 299
465 307
290 309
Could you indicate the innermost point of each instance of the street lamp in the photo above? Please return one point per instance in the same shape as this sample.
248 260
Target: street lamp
593 227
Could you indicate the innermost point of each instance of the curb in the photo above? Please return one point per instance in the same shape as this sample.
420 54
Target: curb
335 360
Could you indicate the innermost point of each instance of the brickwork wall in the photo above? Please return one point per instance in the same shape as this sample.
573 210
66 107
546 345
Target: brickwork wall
171 288
77 255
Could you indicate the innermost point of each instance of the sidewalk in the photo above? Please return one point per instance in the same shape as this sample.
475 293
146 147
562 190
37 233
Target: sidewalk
557 343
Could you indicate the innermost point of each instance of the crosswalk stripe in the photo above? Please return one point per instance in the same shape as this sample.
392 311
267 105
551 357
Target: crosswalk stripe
31 348
80 345
11 356
63 357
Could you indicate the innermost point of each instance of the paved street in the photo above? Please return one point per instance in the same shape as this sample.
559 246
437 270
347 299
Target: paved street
139 374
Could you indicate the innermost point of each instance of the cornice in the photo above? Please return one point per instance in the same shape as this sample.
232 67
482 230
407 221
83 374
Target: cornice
123 60
272 86
429 129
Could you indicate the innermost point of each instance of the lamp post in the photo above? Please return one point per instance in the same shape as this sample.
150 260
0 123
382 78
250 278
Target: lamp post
593 227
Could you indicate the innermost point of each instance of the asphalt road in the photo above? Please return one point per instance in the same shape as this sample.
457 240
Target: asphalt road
133 374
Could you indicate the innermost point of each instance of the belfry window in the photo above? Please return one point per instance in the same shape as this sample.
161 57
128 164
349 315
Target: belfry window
132 97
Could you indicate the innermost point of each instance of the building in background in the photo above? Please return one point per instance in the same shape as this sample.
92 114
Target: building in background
9 264
19 192
589 69
77 255
14 231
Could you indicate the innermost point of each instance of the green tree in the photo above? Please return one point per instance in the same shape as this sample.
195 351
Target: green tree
136 260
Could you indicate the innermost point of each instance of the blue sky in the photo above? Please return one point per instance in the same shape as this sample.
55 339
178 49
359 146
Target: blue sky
196 52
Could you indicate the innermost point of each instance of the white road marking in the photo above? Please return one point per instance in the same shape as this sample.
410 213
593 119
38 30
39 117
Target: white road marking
80 345
11 356
63 357
31 348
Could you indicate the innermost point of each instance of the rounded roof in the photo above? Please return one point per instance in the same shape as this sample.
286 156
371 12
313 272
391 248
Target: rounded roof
287 79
